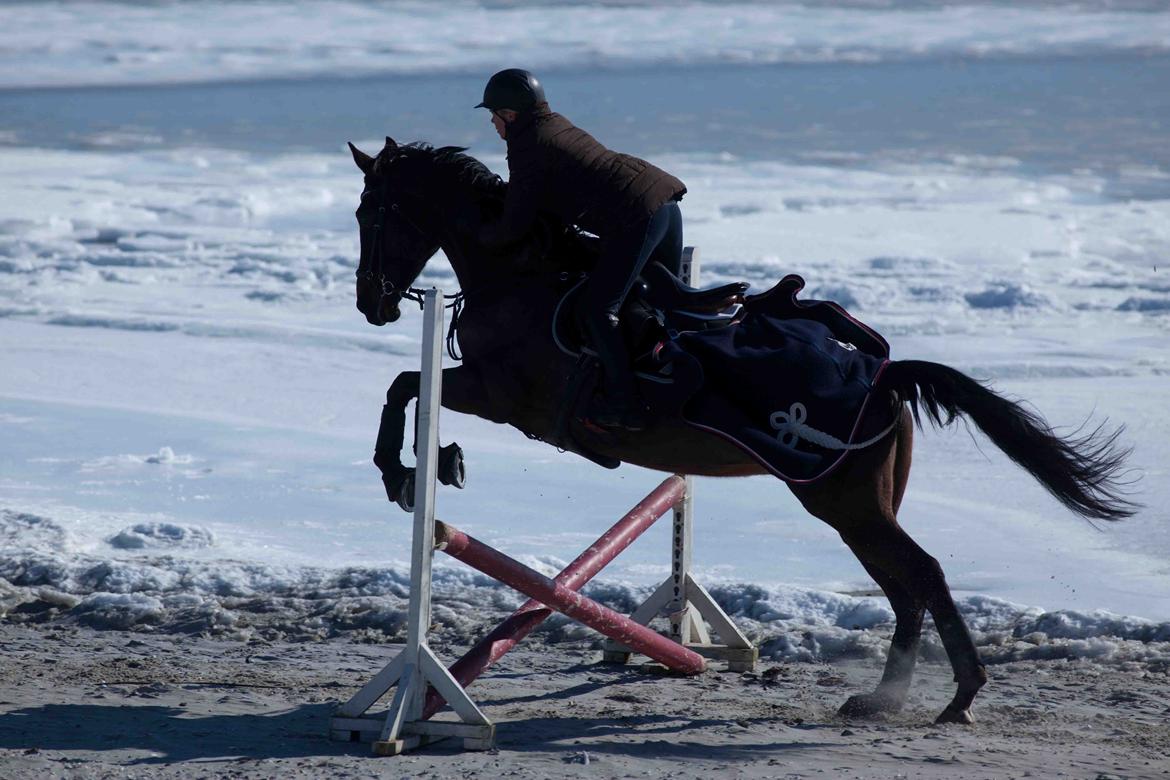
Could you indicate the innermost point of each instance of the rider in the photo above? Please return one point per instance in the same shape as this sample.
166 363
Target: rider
629 203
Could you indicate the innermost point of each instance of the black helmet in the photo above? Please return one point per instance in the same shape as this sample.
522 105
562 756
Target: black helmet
514 89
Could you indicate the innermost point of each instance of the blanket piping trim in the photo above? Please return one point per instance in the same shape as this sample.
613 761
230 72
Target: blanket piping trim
824 472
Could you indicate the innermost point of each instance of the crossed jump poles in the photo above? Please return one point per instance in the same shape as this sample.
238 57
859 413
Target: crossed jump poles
422 684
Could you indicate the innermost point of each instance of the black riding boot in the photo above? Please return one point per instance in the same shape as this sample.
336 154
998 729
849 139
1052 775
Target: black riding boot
619 406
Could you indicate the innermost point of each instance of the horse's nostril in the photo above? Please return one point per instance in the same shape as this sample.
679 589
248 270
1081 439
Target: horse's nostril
392 315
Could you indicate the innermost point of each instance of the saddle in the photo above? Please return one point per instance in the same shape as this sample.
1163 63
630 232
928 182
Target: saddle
659 307
666 292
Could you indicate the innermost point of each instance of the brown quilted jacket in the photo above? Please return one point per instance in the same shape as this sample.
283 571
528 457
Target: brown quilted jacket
560 169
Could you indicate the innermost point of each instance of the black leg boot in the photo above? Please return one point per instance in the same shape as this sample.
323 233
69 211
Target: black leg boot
620 405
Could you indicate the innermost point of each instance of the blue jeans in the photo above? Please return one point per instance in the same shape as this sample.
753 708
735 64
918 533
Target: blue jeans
623 256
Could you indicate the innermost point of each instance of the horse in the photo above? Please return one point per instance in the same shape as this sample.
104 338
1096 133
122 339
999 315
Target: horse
418 199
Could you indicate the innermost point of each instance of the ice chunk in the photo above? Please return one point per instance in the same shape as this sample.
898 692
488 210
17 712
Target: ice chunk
162 535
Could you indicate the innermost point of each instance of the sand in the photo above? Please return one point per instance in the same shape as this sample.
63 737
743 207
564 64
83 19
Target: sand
75 702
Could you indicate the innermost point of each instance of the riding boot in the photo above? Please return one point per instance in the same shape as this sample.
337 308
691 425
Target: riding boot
619 405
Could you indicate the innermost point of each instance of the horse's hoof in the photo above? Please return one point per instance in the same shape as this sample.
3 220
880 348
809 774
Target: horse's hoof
868 705
452 470
405 497
953 715
399 483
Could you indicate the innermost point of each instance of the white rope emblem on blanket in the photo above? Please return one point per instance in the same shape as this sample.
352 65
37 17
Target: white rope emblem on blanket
790 426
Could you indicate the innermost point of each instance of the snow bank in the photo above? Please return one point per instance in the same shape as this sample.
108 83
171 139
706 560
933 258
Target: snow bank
42 582
915 247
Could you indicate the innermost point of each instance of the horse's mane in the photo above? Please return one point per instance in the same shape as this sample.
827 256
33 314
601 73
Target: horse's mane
462 168
454 167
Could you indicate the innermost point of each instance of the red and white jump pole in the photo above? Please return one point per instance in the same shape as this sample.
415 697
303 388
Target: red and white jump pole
584 568
585 610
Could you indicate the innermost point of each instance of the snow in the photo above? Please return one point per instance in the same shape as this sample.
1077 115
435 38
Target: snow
188 398
238 598
142 535
105 43
248 419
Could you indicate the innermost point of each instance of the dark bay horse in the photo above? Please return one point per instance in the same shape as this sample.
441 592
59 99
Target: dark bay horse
418 199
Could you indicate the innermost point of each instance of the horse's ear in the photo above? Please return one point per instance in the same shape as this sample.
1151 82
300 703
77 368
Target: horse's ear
363 160
385 156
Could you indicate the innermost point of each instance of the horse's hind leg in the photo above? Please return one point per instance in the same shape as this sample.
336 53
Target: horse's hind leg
903 455
892 550
860 503
969 670
890 694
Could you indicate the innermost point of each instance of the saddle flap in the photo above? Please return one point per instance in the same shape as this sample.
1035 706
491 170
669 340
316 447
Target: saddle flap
642 328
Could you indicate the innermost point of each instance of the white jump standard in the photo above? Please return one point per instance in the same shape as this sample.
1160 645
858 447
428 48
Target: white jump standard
423 684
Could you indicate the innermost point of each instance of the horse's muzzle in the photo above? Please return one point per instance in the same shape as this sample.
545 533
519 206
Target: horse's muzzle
389 311
378 309
381 314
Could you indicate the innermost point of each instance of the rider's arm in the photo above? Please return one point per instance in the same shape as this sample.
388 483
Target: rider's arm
520 205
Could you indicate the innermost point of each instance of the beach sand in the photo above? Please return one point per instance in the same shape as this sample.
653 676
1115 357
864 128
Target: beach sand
75 702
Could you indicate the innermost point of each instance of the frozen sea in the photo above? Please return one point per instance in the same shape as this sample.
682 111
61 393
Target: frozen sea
188 398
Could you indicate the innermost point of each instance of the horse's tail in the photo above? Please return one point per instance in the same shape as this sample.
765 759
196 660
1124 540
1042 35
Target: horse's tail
1083 472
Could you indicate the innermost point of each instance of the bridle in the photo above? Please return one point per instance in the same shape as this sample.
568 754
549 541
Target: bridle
377 264
386 287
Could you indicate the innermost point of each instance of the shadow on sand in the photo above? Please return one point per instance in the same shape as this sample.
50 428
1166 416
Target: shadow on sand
171 734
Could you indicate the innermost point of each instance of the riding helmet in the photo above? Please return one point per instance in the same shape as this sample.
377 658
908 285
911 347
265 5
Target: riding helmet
513 89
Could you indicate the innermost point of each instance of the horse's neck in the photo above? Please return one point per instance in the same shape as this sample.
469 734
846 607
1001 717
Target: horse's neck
476 267
467 261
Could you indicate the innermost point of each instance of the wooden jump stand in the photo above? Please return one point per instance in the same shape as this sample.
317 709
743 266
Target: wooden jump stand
680 596
422 684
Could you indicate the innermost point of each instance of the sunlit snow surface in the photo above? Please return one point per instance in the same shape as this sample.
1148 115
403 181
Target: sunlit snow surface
113 43
188 398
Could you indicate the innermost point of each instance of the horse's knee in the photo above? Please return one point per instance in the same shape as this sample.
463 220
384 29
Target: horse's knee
403 389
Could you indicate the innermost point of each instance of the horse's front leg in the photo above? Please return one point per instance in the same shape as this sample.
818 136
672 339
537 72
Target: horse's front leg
462 392
397 478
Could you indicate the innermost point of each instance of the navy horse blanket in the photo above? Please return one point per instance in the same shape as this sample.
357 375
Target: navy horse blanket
790 382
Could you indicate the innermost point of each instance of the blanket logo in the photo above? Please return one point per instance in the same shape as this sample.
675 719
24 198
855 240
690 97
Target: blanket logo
789 425
845 345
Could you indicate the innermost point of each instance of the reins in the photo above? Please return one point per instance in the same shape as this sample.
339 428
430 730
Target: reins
456 306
